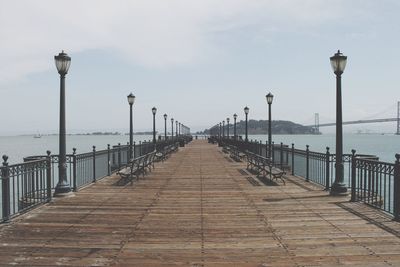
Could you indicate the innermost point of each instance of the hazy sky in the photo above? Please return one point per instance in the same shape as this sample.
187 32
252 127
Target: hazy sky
198 61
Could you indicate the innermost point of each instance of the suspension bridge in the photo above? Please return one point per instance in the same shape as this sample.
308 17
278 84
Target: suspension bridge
317 124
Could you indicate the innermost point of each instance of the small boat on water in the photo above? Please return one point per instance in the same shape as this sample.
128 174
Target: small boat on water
37 136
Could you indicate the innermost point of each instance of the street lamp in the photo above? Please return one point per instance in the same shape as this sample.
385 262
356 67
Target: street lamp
172 128
269 98
179 129
220 130
223 129
63 61
154 110
234 125
176 129
227 121
165 126
338 62
131 101
246 112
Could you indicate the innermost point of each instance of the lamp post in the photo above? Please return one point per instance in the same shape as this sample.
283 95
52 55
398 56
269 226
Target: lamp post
154 111
338 62
63 61
172 128
165 126
179 129
131 101
223 129
227 129
176 129
246 112
220 130
269 98
234 125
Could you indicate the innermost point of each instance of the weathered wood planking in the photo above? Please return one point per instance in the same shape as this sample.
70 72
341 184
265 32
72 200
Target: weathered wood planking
197 209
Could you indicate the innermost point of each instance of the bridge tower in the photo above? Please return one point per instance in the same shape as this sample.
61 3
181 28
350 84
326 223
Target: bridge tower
398 118
316 123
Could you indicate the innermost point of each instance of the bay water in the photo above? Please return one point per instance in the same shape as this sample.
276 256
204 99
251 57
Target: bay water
18 147
383 146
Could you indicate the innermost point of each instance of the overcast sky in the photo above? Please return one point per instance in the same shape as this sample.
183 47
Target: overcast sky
197 61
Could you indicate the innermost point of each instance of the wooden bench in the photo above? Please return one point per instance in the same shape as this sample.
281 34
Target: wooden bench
166 152
263 166
148 162
226 149
138 166
132 170
234 153
276 173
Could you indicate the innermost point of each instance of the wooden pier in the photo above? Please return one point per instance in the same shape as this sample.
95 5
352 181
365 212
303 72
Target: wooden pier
200 208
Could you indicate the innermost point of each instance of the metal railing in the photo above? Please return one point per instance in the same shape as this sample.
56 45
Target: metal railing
376 183
28 184
369 180
24 185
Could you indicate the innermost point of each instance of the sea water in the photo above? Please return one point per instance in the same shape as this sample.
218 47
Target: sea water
383 146
18 147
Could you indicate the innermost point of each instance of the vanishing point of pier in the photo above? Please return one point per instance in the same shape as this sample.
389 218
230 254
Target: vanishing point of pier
201 208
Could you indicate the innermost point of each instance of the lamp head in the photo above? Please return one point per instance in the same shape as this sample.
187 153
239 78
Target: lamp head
63 61
338 63
269 98
131 99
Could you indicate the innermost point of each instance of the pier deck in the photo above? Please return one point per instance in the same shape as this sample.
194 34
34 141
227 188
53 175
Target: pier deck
199 208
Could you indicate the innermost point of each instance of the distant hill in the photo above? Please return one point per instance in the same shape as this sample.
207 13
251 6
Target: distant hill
261 127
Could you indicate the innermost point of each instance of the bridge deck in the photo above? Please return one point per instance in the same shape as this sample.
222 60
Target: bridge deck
200 209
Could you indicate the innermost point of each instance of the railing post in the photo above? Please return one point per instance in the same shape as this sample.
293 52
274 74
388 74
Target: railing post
327 169
281 155
273 152
140 148
128 155
108 160
119 156
266 149
134 149
396 181
74 167
5 185
94 164
286 148
292 159
48 176
307 163
353 175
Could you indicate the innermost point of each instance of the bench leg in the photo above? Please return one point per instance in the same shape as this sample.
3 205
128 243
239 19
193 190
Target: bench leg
276 177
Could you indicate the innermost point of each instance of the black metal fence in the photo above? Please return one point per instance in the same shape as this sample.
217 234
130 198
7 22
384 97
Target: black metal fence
24 185
369 180
376 183
31 183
